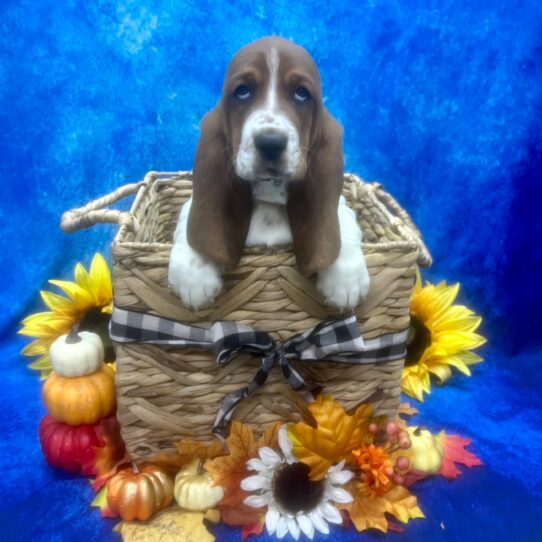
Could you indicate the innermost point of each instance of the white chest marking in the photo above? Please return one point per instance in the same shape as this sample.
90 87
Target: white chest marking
269 225
273 191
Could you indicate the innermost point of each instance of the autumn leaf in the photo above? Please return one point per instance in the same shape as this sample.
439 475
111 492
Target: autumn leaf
241 441
186 451
171 525
413 477
241 515
108 470
270 436
228 471
212 515
402 505
406 409
192 449
107 465
254 529
336 434
395 527
100 501
368 510
455 452
111 457
110 449
172 462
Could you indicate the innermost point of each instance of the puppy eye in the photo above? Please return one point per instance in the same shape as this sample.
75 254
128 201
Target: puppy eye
301 94
242 92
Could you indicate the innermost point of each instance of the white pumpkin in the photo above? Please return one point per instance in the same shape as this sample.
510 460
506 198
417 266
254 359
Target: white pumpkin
195 490
77 354
427 450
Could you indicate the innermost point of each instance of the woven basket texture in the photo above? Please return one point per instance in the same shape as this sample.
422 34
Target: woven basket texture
165 394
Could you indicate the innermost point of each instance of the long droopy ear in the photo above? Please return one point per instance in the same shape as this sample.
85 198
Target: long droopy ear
313 202
221 202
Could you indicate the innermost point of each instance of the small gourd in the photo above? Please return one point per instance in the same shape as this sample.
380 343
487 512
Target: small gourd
427 450
77 354
81 399
137 493
194 489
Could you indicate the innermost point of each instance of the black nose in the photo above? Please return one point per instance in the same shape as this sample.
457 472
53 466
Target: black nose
270 145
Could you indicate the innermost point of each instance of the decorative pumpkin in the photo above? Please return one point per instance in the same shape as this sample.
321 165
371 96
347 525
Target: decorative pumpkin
427 450
194 489
77 354
73 448
137 493
82 399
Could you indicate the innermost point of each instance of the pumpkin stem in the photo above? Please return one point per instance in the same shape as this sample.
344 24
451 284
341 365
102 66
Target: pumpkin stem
73 336
135 468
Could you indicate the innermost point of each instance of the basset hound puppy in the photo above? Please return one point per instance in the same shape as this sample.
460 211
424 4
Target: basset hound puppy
269 171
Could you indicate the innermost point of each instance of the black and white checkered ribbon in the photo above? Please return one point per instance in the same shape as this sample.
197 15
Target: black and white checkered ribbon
333 340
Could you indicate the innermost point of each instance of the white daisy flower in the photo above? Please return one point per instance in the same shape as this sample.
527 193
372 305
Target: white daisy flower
295 504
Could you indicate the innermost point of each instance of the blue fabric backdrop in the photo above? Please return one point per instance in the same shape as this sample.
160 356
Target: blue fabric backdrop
440 101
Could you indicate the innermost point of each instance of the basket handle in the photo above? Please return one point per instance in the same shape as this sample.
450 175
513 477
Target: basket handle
402 222
94 213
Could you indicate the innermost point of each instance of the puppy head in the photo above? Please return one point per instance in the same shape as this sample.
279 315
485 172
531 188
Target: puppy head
271 101
269 124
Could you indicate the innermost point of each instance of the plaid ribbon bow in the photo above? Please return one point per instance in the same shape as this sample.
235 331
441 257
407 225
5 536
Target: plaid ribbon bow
334 340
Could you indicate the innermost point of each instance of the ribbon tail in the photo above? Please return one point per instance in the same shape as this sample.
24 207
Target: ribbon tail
307 388
230 402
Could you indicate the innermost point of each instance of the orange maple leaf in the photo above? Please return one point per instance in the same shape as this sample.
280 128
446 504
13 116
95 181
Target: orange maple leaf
170 461
241 516
109 455
241 441
100 501
254 529
270 436
110 444
107 466
368 510
186 451
191 449
335 435
454 451
228 471
407 410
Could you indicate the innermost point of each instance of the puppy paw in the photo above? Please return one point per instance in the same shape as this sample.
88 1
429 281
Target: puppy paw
193 278
345 283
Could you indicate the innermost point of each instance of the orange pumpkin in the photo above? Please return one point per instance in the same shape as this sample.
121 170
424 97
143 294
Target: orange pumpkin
83 399
137 493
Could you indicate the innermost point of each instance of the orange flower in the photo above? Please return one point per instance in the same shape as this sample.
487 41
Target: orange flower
376 468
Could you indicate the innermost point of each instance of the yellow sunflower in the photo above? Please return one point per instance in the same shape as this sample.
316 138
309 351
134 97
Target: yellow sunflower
88 302
441 336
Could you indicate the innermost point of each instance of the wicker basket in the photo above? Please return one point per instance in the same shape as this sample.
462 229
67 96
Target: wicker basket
165 394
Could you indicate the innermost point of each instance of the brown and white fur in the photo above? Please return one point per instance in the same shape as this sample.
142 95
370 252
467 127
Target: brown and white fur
269 171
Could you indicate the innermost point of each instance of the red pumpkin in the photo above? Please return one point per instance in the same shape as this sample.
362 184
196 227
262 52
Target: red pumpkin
72 448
